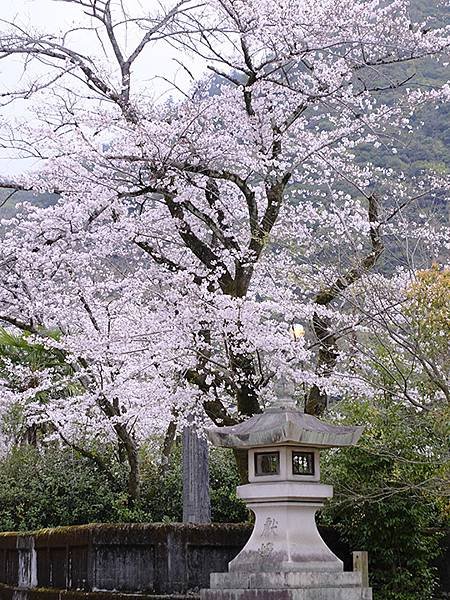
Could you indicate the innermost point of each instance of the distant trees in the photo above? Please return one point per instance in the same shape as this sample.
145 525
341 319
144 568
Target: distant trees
407 341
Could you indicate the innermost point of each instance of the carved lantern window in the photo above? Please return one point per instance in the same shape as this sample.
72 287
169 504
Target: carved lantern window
303 463
267 463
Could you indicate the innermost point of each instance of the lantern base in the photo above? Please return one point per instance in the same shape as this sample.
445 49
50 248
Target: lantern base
346 579
310 593
285 538
286 586
285 557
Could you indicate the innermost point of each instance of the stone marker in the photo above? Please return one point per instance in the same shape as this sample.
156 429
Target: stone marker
285 557
196 502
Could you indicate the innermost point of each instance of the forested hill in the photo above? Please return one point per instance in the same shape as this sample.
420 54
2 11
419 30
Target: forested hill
428 145
426 148
9 201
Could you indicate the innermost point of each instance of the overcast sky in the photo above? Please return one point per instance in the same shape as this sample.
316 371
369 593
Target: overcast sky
53 16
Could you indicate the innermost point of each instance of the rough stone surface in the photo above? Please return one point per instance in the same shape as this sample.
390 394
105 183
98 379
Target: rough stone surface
281 426
285 537
152 558
11 593
286 586
330 593
27 573
284 580
196 501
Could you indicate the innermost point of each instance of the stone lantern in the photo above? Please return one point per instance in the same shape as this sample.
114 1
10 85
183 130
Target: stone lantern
285 557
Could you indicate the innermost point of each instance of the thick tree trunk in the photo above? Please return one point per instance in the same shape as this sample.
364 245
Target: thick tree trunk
127 443
317 400
134 478
169 440
132 454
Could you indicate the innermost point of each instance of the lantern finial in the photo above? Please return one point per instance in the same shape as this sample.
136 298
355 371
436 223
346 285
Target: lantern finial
284 396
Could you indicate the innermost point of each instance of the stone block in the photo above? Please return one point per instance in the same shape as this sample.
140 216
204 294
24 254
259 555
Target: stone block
286 586
124 569
285 536
330 593
284 580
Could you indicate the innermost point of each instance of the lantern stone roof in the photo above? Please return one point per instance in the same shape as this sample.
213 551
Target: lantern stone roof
283 424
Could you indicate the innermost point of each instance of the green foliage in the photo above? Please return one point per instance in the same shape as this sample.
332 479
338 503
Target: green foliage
429 311
162 493
389 494
51 487
224 478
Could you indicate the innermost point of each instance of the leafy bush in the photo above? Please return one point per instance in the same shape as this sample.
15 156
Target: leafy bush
51 486
388 495
224 478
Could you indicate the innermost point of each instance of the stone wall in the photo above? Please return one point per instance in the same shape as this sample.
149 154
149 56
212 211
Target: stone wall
11 593
154 559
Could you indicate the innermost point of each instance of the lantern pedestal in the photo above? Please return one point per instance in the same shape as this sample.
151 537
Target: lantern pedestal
320 585
285 557
285 537
286 586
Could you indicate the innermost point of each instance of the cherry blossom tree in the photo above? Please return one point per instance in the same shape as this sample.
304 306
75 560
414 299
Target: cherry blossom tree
191 237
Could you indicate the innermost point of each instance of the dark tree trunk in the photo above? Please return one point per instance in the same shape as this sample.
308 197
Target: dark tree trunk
317 400
169 440
134 471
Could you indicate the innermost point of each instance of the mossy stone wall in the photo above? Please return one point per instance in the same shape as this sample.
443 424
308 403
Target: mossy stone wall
153 558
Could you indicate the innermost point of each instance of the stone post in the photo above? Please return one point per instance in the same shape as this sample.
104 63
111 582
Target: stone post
196 502
361 564
27 568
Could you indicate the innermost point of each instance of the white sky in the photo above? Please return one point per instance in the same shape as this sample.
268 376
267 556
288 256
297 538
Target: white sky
53 16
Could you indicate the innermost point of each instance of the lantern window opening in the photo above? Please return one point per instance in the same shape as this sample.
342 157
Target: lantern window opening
303 463
267 463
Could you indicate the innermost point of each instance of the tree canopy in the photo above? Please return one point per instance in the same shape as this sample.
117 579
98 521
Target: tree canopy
192 236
